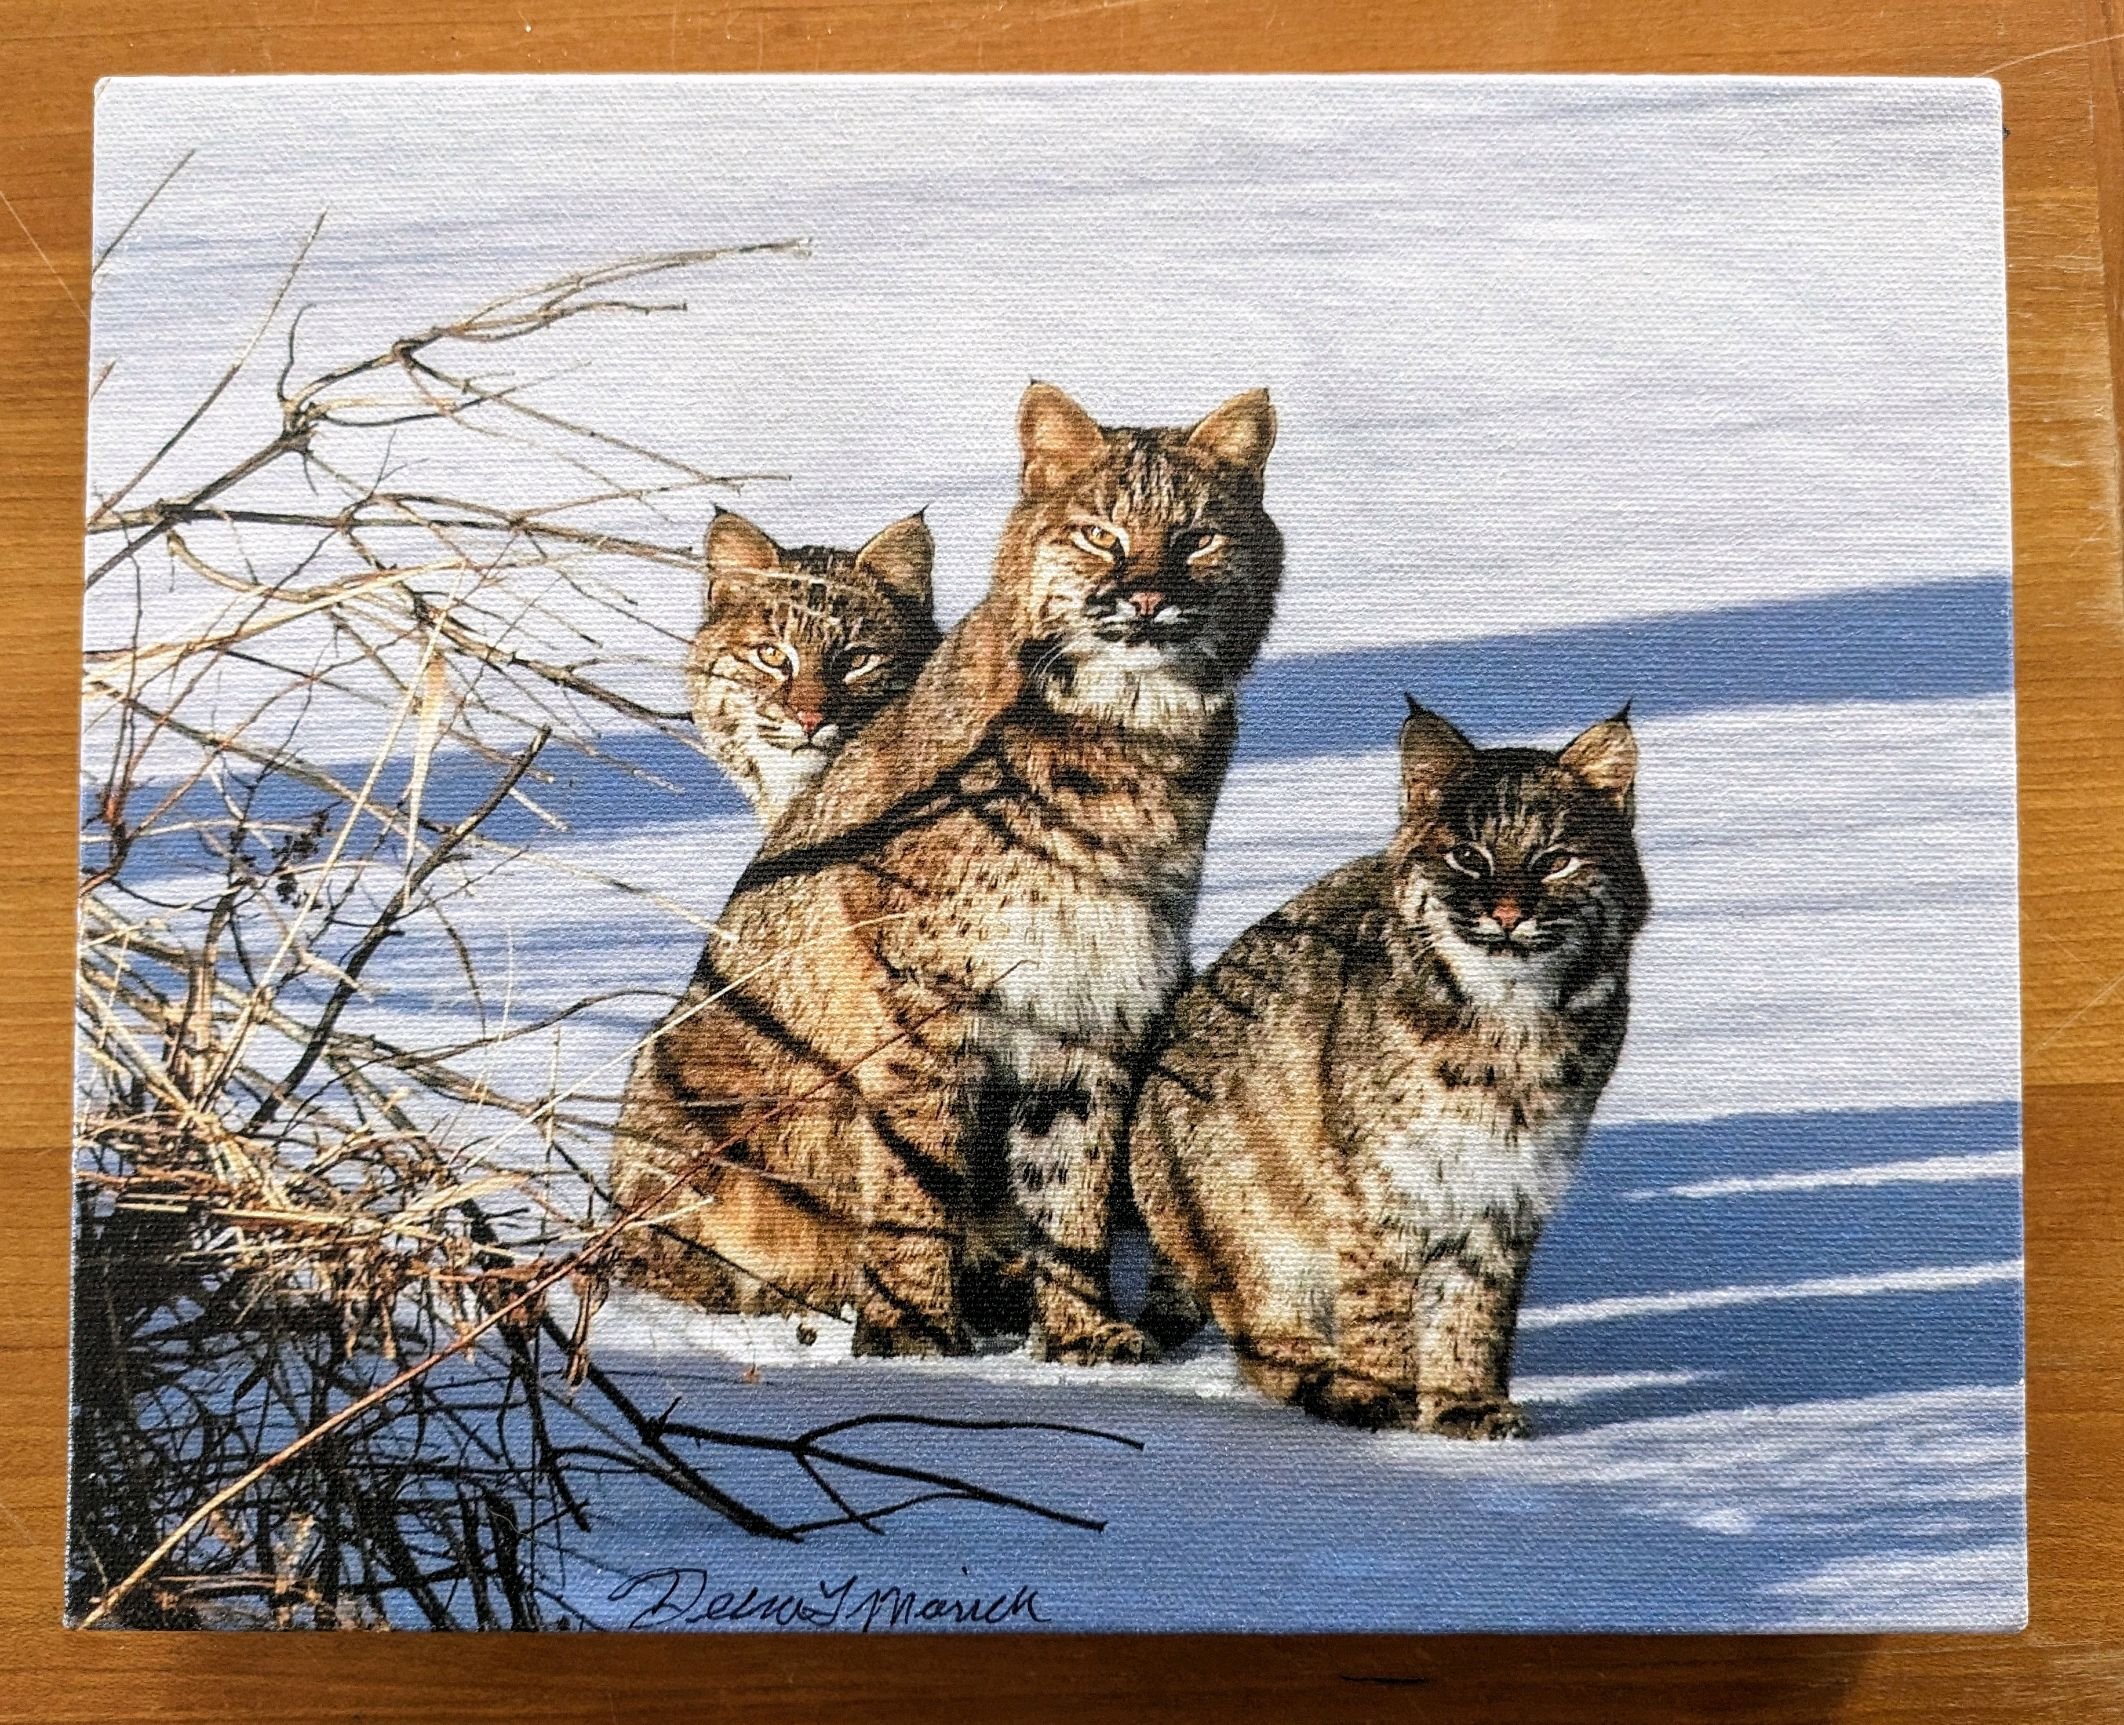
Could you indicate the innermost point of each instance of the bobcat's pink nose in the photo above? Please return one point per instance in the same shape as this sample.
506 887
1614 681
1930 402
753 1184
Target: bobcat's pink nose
1147 601
808 719
1508 914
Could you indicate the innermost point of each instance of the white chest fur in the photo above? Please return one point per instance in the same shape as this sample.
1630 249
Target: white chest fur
1459 1155
1138 687
1089 965
783 773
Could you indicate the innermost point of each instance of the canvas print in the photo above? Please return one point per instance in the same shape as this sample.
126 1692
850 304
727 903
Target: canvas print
876 854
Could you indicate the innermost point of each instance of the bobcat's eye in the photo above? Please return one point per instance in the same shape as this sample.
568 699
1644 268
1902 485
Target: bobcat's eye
1560 865
861 665
1097 538
1200 547
1470 860
773 656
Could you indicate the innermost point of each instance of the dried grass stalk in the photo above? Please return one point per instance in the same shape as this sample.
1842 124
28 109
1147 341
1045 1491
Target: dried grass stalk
316 1379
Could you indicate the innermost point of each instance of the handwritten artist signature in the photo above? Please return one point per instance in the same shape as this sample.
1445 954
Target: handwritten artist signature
674 1598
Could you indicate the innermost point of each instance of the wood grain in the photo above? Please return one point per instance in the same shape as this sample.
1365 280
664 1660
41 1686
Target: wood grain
2057 61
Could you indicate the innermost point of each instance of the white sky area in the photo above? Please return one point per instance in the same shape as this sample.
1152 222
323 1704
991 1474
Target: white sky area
1543 350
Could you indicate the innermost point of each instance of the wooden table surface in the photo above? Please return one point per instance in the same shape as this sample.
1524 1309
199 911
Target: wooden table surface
2057 61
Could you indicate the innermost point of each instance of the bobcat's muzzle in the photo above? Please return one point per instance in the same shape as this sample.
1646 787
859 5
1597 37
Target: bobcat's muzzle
1145 614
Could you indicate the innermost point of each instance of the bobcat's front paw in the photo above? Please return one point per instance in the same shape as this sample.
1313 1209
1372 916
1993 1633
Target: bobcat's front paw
1361 1402
1472 1417
1112 1343
1171 1316
908 1338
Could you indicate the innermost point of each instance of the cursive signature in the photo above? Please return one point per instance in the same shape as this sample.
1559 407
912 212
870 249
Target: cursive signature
670 1598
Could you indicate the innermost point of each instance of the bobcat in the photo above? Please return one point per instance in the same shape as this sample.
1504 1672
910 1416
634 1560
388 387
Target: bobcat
937 978
800 648
1370 1104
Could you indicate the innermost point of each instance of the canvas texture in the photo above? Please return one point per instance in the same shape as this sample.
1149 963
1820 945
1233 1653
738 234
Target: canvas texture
1048 853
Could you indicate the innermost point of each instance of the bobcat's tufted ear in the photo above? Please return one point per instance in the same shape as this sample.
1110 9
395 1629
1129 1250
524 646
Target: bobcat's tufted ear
898 559
1240 433
1056 437
735 549
1432 751
1605 757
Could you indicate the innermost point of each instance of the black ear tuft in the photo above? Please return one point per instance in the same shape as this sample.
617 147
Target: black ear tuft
1414 709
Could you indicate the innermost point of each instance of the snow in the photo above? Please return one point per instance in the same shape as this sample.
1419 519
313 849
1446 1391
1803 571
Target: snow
1854 1510
1910 1589
1813 1445
1988 1165
1928 1279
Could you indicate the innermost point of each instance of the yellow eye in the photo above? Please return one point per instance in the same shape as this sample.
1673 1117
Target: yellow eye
861 665
1097 538
1562 866
771 656
1202 546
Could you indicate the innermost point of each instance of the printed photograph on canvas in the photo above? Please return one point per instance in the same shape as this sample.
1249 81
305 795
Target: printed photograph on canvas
1117 853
